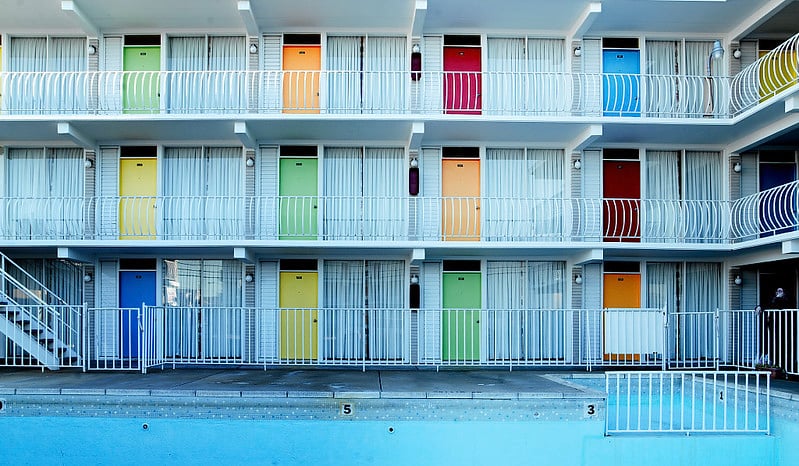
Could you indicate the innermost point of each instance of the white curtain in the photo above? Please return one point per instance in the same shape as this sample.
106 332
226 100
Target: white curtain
227 82
697 87
385 191
344 80
503 85
662 207
662 68
507 195
65 92
548 90
506 288
44 191
209 74
203 193
344 315
703 286
545 321
385 289
187 57
343 188
206 318
524 195
704 211
386 82
546 167
661 293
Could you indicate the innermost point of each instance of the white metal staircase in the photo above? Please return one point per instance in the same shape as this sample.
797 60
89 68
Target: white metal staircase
39 322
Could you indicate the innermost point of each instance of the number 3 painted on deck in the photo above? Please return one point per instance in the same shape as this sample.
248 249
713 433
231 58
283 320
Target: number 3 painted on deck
591 410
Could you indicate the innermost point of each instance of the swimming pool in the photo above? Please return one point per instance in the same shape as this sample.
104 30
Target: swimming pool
220 428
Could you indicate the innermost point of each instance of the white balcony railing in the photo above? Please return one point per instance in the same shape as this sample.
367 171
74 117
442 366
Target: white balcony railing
771 74
368 92
400 92
366 218
135 339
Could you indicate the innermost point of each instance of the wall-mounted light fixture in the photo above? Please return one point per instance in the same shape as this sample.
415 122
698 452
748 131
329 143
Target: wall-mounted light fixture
248 278
416 62
577 164
737 167
413 177
91 49
87 278
738 280
578 51
250 162
88 163
253 49
578 279
737 54
414 279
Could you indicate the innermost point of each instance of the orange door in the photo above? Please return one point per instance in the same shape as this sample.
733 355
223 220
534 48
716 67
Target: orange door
621 291
460 189
301 64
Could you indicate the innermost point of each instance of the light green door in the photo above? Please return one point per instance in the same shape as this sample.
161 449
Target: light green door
460 326
298 198
140 83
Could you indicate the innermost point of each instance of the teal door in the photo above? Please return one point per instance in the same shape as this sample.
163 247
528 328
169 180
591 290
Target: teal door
460 326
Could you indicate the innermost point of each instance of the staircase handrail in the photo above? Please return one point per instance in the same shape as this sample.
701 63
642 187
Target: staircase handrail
6 260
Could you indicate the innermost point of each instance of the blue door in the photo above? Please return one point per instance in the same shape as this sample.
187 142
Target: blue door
135 288
777 205
621 73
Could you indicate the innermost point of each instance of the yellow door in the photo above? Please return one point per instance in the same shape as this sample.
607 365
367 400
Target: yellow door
777 73
460 190
621 291
137 191
299 316
301 64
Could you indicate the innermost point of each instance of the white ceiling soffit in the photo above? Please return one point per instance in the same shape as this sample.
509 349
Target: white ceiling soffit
676 18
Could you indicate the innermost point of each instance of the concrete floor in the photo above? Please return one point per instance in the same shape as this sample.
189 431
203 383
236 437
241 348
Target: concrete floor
300 383
321 383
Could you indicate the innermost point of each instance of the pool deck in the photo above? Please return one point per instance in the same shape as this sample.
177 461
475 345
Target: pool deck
314 383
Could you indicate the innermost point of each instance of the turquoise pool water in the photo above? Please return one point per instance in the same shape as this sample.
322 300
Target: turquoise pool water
80 441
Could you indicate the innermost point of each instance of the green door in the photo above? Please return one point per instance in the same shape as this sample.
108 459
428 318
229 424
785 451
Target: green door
298 201
140 83
460 326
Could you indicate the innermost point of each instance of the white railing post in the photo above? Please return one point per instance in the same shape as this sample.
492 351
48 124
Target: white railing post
717 336
665 315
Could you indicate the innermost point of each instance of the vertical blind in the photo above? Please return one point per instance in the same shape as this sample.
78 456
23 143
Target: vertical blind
363 297
203 192
524 194
525 310
210 74
201 318
44 191
526 77
364 193
59 84
366 73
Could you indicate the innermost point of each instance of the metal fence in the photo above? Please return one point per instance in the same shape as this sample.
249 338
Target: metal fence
687 402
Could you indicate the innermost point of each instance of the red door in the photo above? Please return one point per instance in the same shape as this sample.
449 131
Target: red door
622 194
462 80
